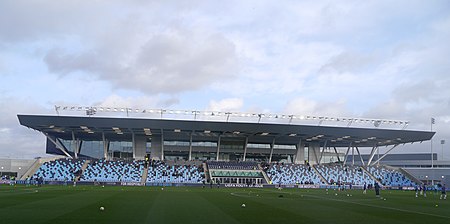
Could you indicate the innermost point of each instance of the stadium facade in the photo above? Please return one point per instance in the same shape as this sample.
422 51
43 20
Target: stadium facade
172 139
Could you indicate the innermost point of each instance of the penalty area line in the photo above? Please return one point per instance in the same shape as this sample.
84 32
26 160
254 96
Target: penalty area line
382 207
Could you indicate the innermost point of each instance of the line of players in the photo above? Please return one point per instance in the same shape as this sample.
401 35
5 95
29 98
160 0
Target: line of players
422 190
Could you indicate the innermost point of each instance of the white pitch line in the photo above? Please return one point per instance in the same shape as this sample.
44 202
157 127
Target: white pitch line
369 205
382 207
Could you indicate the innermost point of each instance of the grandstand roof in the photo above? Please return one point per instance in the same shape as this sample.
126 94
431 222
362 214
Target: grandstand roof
116 129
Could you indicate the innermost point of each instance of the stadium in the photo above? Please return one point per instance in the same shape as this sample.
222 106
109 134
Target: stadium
251 162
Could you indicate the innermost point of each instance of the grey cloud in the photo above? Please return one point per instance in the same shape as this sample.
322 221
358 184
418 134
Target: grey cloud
17 141
167 103
33 20
165 63
350 62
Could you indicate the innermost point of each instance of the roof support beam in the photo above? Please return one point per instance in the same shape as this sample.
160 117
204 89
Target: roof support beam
58 145
346 154
245 147
372 154
337 154
362 161
386 153
271 150
74 145
353 156
323 150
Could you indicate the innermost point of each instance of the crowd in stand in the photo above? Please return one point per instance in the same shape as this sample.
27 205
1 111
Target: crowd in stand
390 177
113 171
59 170
344 175
292 174
160 172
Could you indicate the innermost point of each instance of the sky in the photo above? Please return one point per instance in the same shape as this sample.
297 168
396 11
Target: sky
374 59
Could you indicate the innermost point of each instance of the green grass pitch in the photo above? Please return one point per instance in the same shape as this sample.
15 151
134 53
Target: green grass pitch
81 204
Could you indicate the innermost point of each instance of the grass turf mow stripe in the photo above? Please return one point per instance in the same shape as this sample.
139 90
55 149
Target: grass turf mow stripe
81 204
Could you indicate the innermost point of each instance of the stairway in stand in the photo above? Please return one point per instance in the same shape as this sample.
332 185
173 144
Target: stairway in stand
207 174
371 176
144 175
266 178
320 175
83 168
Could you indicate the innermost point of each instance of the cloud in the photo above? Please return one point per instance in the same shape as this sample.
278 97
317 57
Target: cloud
17 141
349 62
226 105
137 102
304 106
165 63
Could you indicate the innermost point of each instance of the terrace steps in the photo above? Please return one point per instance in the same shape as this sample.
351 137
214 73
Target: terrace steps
266 178
83 168
371 176
407 174
320 175
35 166
207 174
144 175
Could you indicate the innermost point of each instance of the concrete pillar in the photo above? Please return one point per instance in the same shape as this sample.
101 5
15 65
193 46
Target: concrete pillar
300 154
218 149
271 150
139 146
105 146
313 152
245 148
162 145
190 147
157 147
